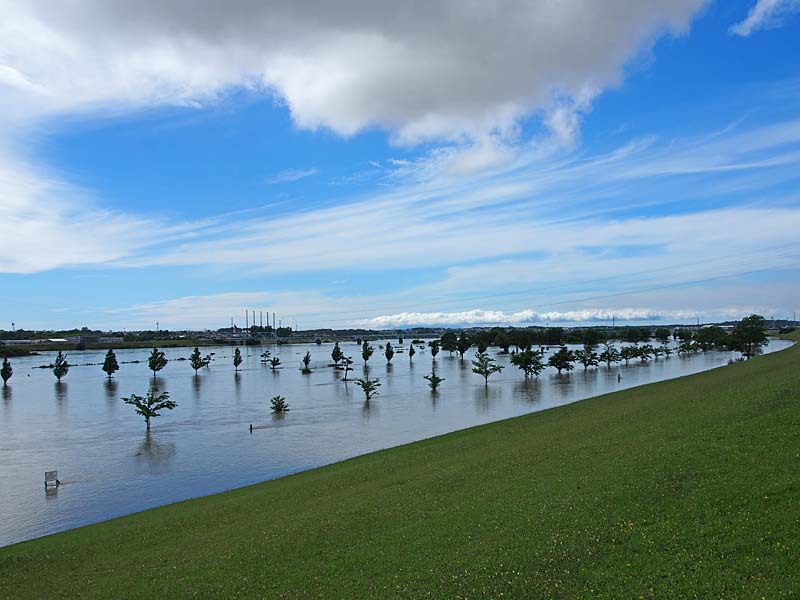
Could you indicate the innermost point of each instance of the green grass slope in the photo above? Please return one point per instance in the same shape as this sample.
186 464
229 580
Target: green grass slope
682 489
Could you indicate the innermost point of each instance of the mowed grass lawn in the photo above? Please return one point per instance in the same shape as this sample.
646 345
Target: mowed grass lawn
683 489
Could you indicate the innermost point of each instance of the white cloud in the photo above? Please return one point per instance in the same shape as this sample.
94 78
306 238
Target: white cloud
437 69
765 14
290 175
45 223
478 317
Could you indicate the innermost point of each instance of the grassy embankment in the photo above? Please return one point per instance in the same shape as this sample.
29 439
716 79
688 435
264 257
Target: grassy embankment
681 489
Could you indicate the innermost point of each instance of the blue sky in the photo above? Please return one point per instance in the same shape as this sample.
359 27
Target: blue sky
385 165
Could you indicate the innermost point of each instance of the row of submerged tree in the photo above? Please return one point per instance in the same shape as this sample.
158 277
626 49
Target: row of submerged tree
748 337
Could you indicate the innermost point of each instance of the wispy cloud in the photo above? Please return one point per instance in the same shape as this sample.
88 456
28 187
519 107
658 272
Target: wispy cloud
290 175
765 14
478 317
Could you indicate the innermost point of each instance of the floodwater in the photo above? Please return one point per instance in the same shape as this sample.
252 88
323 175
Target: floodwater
109 466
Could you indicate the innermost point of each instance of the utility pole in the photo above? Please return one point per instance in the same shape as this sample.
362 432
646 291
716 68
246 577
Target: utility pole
246 319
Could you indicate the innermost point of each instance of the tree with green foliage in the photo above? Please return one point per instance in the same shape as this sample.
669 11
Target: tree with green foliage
6 371
336 354
307 363
711 338
562 360
369 386
347 361
278 405
587 356
411 352
274 362
433 380
503 342
480 345
485 366
449 342
196 360
265 356
60 366
110 364
150 405
388 352
628 353
645 352
156 361
237 359
366 351
434 346
749 336
609 355
662 334
531 362
463 344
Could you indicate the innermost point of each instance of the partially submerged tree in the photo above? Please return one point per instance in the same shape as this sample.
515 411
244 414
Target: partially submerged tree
6 371
628 353
307 363
587 356
274 362
237 359
347 361
645 352
369 386
449 342
156 361
485 366
749 336
529 361
609 355
411 352
366 351
150 405
562 360
279 405
463 344
110 364
662 334
60 366
389 352
434 346
196 361
434 380
336 354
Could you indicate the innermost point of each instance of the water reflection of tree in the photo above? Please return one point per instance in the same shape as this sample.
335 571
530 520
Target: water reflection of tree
110 386
529 390
563 385
368 409
484 396
6 394
157 384
153 453
237 385
60 391
196 385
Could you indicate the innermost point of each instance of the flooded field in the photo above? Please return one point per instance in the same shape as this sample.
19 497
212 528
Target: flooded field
109 466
